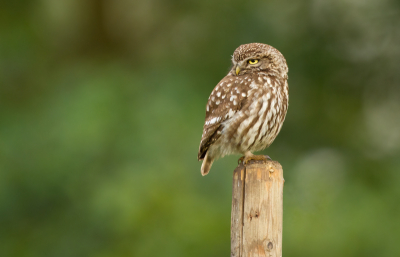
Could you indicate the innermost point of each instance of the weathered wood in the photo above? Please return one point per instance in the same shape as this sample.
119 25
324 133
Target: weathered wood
257 210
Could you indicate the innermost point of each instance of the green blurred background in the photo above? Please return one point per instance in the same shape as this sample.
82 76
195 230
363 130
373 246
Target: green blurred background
102 105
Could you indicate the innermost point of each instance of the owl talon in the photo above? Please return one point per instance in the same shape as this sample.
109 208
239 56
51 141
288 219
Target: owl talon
246 159
269 158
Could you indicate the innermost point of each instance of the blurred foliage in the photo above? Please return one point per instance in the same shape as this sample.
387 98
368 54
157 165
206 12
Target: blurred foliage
101 111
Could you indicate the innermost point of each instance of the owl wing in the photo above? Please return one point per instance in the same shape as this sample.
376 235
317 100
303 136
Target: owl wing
228 97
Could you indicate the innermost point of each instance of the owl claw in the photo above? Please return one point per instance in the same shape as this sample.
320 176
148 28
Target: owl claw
269 158
246 159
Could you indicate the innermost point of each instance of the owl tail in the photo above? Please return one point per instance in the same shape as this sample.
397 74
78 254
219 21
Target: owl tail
207 163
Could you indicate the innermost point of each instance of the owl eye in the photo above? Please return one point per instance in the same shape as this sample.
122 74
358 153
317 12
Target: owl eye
253 61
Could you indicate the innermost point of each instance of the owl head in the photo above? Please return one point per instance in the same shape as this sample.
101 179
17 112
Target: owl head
258 58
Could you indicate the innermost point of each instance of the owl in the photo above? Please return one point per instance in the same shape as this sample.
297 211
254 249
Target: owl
246 109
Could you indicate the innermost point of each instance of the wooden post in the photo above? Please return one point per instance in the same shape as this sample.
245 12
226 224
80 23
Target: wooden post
257 210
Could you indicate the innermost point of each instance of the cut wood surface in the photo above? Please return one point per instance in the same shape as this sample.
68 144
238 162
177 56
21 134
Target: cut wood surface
257 210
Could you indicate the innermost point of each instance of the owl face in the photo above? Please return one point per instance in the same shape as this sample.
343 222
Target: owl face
252 64
257 57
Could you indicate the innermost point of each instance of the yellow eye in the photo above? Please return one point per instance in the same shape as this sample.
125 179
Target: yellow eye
253 61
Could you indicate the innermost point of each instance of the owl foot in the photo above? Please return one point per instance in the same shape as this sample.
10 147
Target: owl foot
245 159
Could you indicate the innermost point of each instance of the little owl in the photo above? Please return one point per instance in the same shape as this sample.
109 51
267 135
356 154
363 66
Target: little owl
246 110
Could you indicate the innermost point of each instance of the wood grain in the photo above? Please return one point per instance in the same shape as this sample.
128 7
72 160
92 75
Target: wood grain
257 210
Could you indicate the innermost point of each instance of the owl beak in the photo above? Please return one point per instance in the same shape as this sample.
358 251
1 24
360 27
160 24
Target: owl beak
237 70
